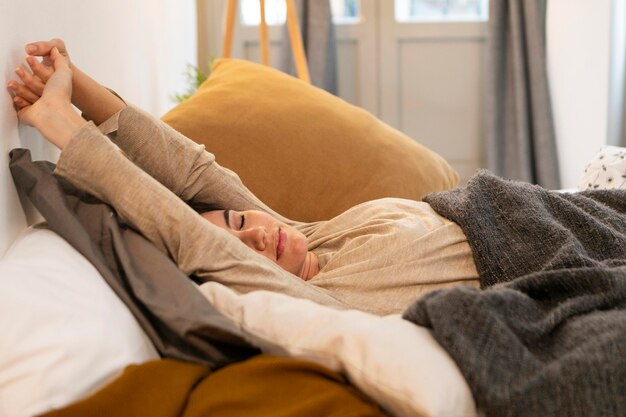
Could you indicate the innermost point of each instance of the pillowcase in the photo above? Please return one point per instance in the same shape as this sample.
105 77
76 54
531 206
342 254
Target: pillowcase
64 331
607 170
396 363
307 154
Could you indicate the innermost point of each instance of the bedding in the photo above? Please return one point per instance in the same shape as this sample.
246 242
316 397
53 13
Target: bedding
163 300
546 334
60 323
504 336
182 325
304 152
396 363
260 386
543 337
63 206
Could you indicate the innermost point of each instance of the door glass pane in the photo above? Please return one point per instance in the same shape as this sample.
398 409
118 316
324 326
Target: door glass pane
441 10
346 11
275 12
343 11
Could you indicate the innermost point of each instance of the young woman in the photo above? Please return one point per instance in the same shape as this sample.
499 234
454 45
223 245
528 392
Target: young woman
378 256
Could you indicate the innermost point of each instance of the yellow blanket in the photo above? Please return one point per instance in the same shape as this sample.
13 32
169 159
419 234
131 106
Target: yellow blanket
261 386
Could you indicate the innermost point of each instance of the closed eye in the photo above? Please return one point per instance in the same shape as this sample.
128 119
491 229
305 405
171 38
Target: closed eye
238 225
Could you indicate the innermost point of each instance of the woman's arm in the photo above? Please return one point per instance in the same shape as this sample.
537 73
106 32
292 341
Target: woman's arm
177 162
182 165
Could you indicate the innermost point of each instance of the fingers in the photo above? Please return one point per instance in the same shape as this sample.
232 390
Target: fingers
43 48
20 91
31 88
32 82
33 85
39 48
20 103
58 60
43 72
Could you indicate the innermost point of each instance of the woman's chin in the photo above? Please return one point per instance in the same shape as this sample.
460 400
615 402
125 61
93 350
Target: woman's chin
294 258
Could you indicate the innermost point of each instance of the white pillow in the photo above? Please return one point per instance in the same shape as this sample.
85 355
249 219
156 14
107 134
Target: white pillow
64 332
607 170
396 363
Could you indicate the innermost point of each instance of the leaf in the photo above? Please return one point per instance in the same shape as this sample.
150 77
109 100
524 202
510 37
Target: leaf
194 76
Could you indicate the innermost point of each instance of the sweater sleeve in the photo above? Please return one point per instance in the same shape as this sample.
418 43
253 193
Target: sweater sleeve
91 162
182 165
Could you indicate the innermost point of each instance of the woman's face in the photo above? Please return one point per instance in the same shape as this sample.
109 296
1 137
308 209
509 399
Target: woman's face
264 234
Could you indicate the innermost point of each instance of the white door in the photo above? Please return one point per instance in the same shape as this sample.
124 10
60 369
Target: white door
432 78
422 73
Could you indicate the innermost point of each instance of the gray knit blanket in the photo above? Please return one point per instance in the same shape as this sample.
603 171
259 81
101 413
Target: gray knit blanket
546 334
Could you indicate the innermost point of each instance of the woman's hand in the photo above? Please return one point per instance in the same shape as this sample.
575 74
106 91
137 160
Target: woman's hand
87 94
52 113
31 87
57 91
44 69
34 81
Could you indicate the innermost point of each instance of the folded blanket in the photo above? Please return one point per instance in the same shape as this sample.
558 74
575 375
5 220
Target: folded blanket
547 335
261 386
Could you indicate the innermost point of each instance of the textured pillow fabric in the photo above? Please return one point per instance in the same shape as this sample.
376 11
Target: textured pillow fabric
396 363
607 170
306 153
64 331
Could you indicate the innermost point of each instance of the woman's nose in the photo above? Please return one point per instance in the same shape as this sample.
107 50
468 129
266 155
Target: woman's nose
254 237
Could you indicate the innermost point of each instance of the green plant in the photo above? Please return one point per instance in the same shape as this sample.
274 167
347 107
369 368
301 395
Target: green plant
194 76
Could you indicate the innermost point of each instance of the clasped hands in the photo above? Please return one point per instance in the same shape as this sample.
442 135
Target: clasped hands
43 98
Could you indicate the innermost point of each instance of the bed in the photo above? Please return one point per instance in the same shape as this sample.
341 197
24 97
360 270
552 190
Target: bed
558 331
97 322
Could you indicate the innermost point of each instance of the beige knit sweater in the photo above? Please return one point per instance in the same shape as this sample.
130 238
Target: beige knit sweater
377 257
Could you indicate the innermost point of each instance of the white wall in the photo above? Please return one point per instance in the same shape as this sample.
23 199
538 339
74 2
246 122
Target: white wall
579 58
137 47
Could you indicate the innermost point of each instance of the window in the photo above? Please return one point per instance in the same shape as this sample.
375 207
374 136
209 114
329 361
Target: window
346 11
441 10
275 12
343 11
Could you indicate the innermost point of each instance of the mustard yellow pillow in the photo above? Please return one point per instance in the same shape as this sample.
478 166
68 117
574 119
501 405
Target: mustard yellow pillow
306 153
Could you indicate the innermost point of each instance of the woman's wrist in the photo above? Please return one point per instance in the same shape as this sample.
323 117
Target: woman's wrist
82 84
58 124
92 98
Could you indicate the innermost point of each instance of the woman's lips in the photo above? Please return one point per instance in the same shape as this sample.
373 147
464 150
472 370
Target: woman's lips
281 242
